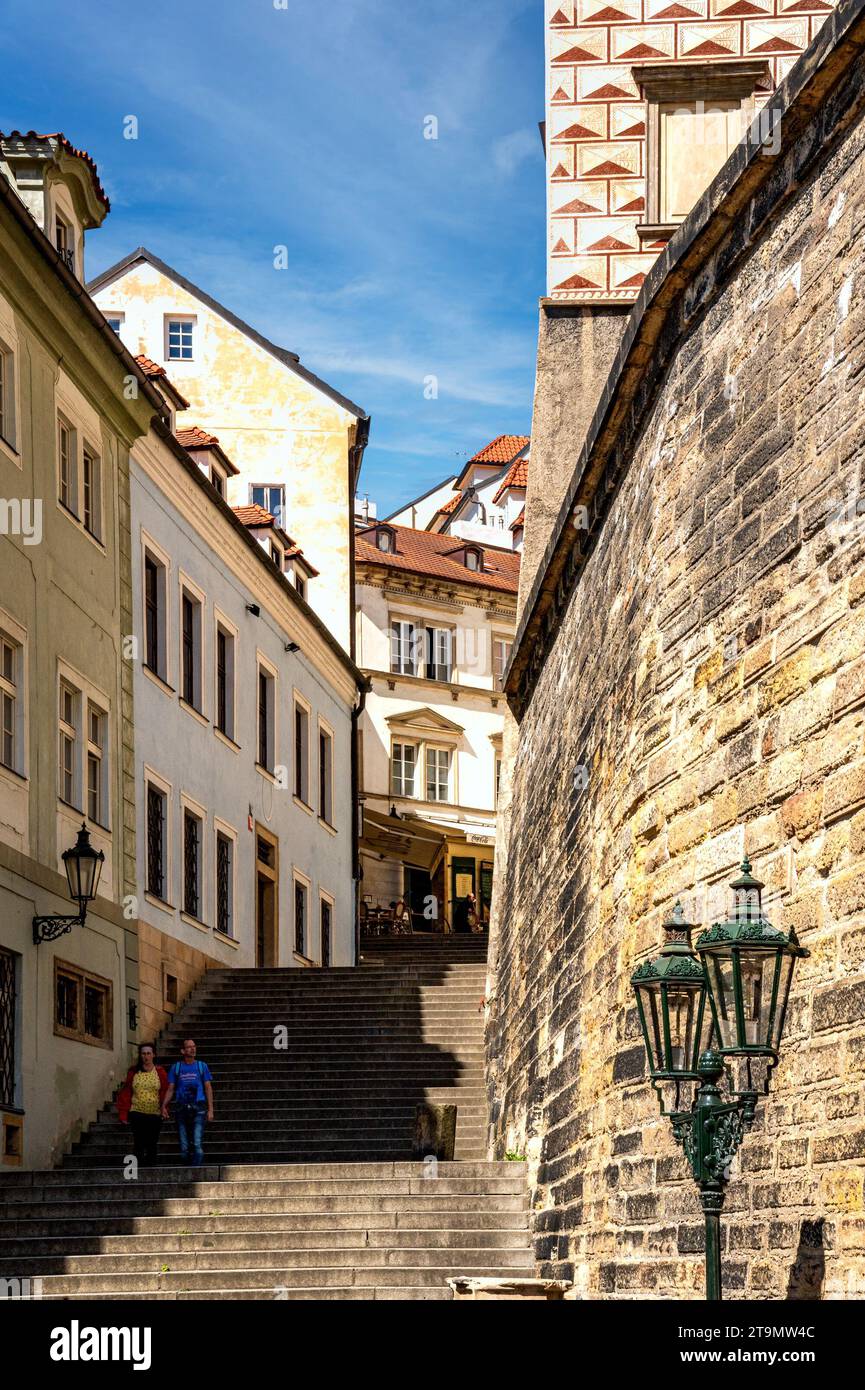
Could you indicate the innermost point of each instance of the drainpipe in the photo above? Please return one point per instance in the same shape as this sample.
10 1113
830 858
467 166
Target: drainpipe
357 711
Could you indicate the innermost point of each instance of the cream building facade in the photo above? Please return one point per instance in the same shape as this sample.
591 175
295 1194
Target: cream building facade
297 443
72 403
435 621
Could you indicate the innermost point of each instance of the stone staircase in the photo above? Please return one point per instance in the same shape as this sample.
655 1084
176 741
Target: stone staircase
309 1189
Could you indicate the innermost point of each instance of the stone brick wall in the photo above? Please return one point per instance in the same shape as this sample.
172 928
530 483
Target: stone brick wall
707 667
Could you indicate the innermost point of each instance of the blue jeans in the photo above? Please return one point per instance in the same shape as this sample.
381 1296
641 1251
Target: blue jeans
190 1132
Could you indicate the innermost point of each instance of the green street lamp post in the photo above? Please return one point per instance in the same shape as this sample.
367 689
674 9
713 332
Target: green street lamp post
699 1012
83 865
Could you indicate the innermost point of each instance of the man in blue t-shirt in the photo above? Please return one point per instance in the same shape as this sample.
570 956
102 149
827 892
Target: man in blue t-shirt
190 1086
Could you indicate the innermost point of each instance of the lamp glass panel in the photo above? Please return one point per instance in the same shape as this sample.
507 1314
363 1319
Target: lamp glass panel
784 979
722 984
681 1010
650 997
758 975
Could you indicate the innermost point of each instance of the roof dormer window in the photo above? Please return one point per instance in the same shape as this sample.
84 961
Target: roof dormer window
385 540
474 558
63 241
217 477
276 555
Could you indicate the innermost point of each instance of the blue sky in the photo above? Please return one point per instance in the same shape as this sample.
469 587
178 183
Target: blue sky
304 126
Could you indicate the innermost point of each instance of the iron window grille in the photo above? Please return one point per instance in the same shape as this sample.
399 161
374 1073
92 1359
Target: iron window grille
300 918
7 1028
223 884
156 842
191 864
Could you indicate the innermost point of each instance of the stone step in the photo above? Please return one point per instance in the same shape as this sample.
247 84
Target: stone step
343 1240
397 1273
258 1259
336 1293
435 1223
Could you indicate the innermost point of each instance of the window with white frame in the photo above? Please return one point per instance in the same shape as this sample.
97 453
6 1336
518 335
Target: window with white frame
11 703
67 465
266 718
403 647
299 582
217 477
155 614
438 774
498 776
156 810
224 883
190 647
179 332
7 395
325 774
115 319
225 643
192 840
439 653
403 768
68 780
270 496
301 751
97 765
91 491
501 656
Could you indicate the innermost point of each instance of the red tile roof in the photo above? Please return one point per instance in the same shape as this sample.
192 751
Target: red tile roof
157 373
516 476
502 449
255 516
194 437
450 505
70 149
435 554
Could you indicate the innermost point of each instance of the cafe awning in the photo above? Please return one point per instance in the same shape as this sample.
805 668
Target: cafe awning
411 841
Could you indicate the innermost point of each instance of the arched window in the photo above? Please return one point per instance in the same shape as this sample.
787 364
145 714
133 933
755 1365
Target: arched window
473 559
385 540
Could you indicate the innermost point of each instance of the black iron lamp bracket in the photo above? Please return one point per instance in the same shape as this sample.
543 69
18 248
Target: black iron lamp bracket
49 928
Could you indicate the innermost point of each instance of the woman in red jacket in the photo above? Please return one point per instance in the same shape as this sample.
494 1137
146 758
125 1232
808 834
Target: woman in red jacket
140 1101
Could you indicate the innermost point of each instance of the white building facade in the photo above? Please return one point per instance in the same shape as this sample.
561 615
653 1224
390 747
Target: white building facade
435 622
243 705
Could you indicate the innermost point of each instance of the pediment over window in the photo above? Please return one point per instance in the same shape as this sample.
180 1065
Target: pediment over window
424 720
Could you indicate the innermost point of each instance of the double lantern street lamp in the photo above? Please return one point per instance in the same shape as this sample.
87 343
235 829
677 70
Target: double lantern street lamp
83 865
703 1013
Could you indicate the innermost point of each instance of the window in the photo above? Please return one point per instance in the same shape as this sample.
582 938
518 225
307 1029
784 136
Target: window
265 719
7 395
157 829
270 496
403 653
498 788
10 702
178 339
217 477
301 752
115 320
224 681
63 241
403 765
82 1005
501 656
696 114
156 646
326 930
92 492
301 895
191 863
67 782
325 775
385 540
97 789
474 559
67 466
438 767
224 883
190 649
439 647
300 583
